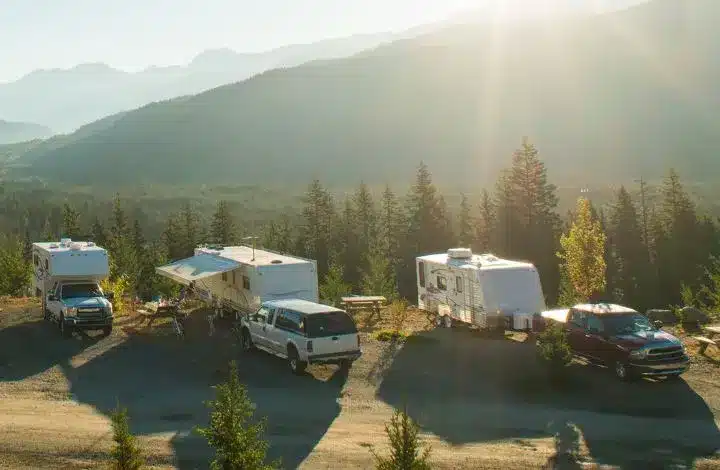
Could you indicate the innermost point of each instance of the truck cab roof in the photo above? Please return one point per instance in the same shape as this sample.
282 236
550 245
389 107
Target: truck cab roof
604 309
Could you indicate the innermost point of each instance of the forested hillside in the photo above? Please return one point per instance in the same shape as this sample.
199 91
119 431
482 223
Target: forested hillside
614 97
658 253
14 132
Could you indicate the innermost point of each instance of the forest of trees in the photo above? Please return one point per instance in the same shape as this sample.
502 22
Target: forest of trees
653 255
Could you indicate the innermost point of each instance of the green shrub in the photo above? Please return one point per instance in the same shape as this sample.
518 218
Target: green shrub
554 349
126 454
406 449
390 335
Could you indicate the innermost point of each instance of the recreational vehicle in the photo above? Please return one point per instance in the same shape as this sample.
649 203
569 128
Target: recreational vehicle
481 290
67 278
240 278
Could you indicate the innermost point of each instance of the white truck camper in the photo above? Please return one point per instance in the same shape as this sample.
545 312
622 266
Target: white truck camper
481 290
67 278
240 278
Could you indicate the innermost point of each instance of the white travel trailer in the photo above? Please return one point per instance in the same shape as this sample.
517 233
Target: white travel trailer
242 277
481 290
67 276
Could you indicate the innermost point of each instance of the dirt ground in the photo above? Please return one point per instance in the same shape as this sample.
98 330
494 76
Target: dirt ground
481 402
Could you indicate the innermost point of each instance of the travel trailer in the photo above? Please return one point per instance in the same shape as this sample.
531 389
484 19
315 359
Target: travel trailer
481 290
67 278
240 278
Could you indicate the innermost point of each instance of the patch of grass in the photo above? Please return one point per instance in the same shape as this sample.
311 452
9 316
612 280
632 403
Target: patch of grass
390 335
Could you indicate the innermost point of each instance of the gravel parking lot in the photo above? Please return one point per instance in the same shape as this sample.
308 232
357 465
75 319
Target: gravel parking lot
482 403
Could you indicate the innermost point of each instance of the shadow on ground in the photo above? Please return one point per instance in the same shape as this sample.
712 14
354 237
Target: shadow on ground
469 389
164 383
19 344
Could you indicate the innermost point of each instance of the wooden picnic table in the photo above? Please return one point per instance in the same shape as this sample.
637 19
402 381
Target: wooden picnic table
369 302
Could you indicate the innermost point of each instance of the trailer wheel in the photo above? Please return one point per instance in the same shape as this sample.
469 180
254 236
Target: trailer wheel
447 321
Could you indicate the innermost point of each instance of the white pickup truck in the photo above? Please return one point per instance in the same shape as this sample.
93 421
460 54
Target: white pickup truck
79 305
303 333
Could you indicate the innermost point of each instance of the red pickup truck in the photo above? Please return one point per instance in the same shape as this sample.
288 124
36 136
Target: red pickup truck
621 338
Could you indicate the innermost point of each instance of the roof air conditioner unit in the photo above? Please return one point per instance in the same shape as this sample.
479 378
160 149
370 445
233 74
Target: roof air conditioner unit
459 253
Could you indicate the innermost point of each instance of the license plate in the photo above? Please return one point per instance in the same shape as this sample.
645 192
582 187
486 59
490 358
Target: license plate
88 310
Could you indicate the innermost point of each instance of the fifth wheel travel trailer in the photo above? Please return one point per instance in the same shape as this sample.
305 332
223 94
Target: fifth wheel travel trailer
240 278
481 290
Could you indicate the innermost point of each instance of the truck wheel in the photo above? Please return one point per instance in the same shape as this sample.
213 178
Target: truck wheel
246 341
65 331
296 365
107 331
345 365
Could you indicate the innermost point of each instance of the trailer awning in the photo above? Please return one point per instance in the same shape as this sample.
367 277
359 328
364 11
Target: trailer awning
196 267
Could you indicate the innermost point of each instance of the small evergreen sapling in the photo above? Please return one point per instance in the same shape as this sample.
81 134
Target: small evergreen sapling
407 452
126 454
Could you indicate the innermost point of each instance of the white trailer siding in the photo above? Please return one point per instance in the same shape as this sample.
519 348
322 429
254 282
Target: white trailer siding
54 261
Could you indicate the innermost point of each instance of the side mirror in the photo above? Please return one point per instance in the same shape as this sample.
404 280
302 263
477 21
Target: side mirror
110 295
51 297
658 324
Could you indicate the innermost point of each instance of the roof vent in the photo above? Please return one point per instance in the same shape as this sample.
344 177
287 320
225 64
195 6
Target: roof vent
75 246
90 244
65 241
459 253
53 246
276 261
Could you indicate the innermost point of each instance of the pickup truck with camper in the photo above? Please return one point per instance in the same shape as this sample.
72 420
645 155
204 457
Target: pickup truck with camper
302 332
67 278
622 339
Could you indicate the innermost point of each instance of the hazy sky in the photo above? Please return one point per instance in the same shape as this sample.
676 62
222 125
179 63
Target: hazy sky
133 34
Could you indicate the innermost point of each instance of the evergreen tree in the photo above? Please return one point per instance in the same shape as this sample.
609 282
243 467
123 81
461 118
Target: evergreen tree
378 278
406 449
191 230
334 287
466 222
392 228
366 217
507 227
126 453
349 252
316 229
119 225
99 237
628 253
485 228
14 268
71 225
49 234
583 250
238 442
536 234
222 228
173 239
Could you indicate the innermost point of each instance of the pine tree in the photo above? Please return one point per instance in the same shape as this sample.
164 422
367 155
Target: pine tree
126 453
485 228
334 286
535 202
583 250
119 226
191 230
238 442
99 237
629 254
349 253
366 225
316 229
222 227
14 268
49 234
406 449
378 278
71 225
466 222
507 228
392 227
173 239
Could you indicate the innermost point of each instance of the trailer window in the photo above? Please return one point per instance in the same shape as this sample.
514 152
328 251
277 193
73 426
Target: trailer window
246 283
224 277
441 283
421 273
459 283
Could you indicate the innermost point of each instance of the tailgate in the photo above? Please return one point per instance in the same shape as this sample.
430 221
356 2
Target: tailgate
331 332
335 344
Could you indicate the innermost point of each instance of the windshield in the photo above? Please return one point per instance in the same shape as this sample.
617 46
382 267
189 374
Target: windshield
329 324
73 291
627 324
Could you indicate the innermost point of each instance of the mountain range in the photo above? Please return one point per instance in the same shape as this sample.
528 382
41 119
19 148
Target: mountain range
615 95
13 132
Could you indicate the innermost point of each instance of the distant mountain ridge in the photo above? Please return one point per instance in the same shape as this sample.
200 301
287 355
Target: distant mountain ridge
612 97
13 132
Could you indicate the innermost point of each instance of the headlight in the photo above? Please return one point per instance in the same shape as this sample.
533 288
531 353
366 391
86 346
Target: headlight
70 311
638 354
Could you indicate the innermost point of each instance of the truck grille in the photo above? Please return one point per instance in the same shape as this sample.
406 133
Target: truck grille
666 354
87 313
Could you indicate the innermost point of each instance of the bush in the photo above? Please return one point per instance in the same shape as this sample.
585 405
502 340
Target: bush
126 454
554 349
406 450
238 442
390 335
398 313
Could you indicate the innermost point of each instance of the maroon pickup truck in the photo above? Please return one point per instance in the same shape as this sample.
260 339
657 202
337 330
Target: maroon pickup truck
622 339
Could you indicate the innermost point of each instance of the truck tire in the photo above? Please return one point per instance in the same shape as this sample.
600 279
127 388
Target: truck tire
296 365
345 365
65 331
107 331
623 372
246 342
